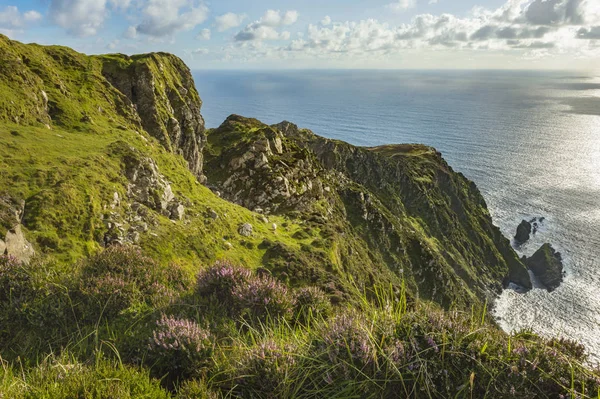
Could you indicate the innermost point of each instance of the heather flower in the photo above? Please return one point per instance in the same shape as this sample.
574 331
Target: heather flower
121 276
521 350
395 352
431 342
263 297
180 347
346 339
220 280
266 366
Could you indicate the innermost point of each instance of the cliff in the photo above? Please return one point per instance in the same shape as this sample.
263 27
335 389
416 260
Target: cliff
401 206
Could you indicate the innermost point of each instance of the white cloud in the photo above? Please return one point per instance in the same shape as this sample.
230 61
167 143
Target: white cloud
204 34
113 45
229 20
402 5
130 33
200 51
541 27
32 16
326 21
266 27
12 19
78 17
163 18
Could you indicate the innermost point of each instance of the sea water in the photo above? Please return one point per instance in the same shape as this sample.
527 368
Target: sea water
529 140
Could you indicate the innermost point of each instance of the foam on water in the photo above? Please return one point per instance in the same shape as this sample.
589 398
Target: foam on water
530 140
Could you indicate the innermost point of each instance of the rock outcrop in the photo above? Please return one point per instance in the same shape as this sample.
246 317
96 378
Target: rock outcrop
161 88
17 246
546 264
403 205
523 232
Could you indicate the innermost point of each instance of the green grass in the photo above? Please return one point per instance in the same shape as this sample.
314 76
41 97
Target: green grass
384 344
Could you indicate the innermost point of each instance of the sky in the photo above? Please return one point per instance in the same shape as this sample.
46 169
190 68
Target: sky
315 34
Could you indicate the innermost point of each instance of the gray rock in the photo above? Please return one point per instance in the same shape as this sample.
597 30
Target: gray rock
547 266
177 211
2 247
523 232
278 145
246 230
18 246
213 215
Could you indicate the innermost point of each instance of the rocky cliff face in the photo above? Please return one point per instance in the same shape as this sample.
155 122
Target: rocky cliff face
162 89
403 205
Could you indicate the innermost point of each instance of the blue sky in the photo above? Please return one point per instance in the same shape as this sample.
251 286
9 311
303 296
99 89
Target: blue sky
241 34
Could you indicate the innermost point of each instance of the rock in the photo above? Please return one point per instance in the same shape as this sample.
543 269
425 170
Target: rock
246 230
274 226
148 186
213 215
546 264
176 211
181 130
116 201
278 145
228 245
18 246
523 232
2 247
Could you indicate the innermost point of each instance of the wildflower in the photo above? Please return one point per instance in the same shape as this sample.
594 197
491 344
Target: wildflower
432 343
180 346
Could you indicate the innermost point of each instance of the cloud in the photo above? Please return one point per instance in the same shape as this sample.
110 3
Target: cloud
266 27
204 34
229 20
402 5
11 18
326 21
553 12
200 51
592 33
78 17
163 18
113 45
130 33
543 27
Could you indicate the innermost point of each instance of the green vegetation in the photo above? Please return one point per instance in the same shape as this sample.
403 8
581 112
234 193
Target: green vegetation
304 267
235 333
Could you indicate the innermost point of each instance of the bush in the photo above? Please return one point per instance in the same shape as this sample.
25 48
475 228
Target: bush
15 281
263 298
311 303
65 378
241 293
121 276
264 369
218 282
346 341
180 348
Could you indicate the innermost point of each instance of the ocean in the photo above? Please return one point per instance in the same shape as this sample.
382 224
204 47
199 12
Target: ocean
529 140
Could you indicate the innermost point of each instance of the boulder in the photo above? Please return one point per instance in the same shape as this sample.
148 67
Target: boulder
246 230
523 232
546 264
176 211
17 246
